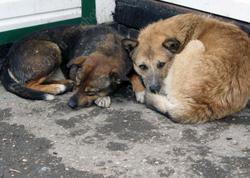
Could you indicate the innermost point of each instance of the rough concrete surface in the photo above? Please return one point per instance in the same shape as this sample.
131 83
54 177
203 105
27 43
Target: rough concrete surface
127 140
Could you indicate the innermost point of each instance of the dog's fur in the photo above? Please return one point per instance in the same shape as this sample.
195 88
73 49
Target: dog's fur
197 67
96 61
99 64
31 68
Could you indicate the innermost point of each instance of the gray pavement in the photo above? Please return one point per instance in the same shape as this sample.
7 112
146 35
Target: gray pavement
127 140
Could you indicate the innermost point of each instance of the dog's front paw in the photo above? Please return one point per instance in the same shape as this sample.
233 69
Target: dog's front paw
147 97
140 96
150 100
60 89
103 102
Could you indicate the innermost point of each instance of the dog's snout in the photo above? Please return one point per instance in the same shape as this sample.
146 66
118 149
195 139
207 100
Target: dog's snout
72 103
155 88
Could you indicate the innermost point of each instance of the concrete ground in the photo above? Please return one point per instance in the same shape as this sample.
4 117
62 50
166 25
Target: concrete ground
127 140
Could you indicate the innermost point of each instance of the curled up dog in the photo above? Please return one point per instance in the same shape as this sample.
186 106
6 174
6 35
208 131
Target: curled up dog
97 64
194 68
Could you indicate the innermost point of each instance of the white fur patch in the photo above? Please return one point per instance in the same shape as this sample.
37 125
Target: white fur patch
140 96
104 102
49 97
61 88
12 76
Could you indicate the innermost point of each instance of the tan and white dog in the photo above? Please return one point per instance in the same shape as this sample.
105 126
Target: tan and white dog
194 68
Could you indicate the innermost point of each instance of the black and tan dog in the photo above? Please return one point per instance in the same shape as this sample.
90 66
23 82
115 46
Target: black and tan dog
96 61
99 64
31 68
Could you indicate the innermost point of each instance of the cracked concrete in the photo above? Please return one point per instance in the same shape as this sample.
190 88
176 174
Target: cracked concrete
127 140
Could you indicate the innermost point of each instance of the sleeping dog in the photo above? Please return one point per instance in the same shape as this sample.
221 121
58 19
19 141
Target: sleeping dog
97 64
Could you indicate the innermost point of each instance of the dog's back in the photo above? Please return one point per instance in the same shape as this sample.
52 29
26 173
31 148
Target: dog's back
214 82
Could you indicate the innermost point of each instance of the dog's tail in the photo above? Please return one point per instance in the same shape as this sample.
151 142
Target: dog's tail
18 89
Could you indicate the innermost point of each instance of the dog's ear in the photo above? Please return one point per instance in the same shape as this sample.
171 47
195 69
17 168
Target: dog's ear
172 44
77 61
129 44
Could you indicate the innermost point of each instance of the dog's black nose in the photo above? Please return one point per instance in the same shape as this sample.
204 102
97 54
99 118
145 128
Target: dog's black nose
72 103
155 88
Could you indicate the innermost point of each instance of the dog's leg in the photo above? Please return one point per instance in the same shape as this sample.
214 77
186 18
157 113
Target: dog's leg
54 89
170 108
69 84
158 102
104 102
57 77
184 111
138 88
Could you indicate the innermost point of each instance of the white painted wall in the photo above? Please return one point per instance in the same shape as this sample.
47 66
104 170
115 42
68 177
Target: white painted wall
16 14
236 9
104 10
24 13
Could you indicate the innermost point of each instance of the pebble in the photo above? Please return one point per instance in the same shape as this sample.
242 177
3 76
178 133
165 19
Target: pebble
235 142
24 160
44 169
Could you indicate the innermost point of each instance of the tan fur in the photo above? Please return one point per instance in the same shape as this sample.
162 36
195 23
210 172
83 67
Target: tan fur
136 83
53 87
210 77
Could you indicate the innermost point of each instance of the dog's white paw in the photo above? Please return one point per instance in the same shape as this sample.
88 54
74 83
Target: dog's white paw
60 88
103 102
140 96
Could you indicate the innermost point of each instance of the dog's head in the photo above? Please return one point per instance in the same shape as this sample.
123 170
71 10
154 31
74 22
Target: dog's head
156 46
95 77
152 57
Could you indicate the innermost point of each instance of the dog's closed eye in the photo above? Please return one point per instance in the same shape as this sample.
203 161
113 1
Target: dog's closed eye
160 65
143 67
